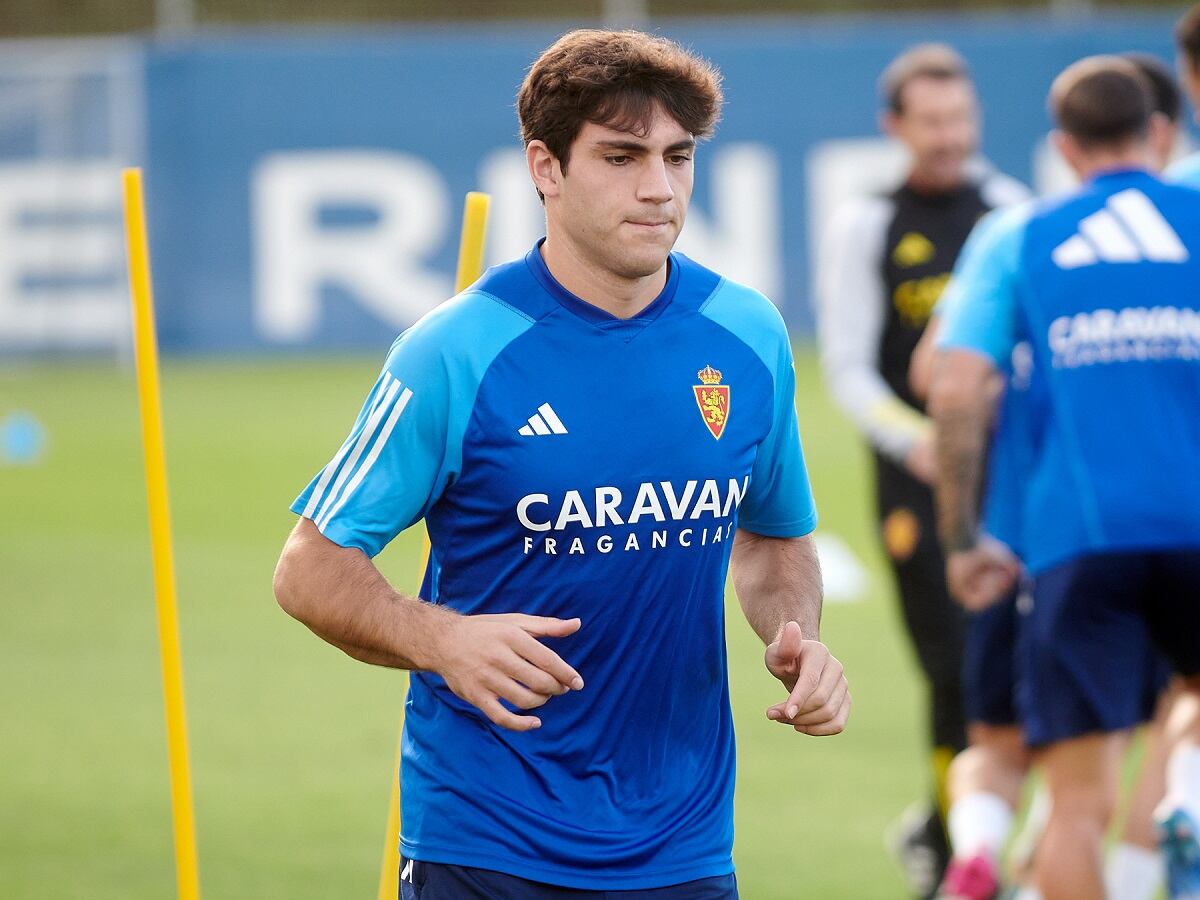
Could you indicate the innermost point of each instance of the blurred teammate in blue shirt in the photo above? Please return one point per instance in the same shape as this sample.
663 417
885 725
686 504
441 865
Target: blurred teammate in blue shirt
985 780
1102 283
594 435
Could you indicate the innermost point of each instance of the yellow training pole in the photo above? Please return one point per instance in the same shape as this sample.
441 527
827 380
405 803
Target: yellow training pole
470 244
470 267
146 355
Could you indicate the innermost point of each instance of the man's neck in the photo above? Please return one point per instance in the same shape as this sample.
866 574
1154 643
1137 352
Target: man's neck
921 183
1100 161
604 289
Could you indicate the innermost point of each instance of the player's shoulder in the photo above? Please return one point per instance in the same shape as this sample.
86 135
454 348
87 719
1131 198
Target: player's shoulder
1106 191
749 315
1185 172
1002 227
475 324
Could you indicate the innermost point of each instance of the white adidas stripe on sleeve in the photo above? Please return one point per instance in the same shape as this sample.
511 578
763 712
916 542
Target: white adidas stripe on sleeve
373 455
318 493
360 445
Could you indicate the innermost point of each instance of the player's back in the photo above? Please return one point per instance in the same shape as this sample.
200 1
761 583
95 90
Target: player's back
1109 296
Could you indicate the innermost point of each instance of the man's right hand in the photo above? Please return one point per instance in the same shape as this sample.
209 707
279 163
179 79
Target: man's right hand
979 576
486 659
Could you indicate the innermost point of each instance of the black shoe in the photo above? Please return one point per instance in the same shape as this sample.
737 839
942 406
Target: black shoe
918 842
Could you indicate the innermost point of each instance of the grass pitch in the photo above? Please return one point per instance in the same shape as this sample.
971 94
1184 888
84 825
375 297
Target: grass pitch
291 742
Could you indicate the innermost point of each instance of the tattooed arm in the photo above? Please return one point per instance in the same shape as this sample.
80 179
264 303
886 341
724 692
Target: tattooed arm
962 401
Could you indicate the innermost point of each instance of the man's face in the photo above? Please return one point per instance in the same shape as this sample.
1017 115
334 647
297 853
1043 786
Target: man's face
623 199
939 124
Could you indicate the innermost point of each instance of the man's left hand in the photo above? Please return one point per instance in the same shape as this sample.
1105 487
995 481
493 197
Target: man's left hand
818 701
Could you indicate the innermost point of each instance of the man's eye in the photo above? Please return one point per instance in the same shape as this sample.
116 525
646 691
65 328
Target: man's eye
679 159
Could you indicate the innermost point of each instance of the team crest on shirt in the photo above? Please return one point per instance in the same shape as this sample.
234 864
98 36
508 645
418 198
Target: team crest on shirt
712 398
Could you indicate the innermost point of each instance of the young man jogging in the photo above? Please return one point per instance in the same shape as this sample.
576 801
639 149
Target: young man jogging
594 434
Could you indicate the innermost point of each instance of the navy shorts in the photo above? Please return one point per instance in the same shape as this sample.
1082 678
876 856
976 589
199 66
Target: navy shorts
989 666
1103 635
439 881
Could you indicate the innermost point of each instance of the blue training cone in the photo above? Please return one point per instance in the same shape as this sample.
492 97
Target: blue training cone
22 439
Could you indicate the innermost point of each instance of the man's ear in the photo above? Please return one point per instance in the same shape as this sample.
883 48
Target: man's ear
1161 135
544 168
889 122
1068 148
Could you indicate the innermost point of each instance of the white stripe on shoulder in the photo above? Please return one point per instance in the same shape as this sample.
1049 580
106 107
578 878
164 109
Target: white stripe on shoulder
1156 237
384 434
360 445
385 381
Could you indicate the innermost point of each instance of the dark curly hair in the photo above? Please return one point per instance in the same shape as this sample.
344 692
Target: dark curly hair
615 78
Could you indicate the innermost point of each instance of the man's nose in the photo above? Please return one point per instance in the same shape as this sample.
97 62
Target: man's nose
655 185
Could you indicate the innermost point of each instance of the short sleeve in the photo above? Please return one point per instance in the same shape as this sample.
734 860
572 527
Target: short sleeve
780 502
979 311
405 448
385 475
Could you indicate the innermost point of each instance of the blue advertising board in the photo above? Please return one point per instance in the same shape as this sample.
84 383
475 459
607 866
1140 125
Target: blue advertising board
305 188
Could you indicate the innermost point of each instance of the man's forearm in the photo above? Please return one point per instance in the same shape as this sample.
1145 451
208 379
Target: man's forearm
777 580
340 595
961 435
962 398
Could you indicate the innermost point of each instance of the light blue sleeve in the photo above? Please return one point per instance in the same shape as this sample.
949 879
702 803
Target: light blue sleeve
779 502
979 310
1185 171
405 448
969 249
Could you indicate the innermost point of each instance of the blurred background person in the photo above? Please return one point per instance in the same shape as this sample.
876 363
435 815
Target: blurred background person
884 262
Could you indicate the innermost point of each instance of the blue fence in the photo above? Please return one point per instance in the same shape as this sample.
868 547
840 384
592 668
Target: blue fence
305 190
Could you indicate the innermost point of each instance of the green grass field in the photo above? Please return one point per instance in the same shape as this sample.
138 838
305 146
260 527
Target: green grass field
292 742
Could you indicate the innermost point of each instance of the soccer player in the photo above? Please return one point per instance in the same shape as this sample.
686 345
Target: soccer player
1187 39
985 780
594 435
1110 516
882 268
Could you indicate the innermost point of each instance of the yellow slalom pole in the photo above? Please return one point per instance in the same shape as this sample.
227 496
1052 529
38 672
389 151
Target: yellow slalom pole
470 244
470 267
146 354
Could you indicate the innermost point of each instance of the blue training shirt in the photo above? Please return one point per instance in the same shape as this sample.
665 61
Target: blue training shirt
1102 283
570 463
